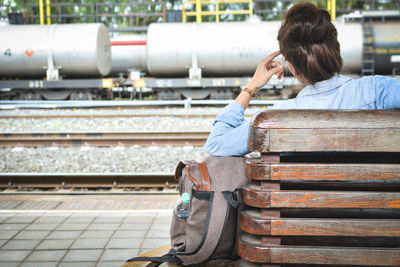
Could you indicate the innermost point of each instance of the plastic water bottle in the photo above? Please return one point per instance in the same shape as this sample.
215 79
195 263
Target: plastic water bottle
182 209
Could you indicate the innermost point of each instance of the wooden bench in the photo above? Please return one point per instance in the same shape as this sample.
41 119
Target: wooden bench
325 188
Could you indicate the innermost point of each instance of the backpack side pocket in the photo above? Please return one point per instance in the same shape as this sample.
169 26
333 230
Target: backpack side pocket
178 233
187 236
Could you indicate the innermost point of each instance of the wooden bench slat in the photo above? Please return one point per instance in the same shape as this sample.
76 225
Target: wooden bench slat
349 119
251 249
253 223
336 172
255 197
323 172
321 140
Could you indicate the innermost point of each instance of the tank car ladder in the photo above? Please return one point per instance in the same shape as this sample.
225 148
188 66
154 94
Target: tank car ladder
368 54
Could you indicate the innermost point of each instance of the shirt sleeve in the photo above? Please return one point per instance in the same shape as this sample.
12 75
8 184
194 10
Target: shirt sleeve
230 133
387 92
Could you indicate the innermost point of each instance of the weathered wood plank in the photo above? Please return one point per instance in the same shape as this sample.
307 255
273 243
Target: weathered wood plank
336 172
258 171
258 140
259 166
320 140
346 140
251 249
254 196
349 119
322 172
253 223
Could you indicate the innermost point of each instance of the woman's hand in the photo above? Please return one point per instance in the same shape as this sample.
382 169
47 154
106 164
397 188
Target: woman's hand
265 69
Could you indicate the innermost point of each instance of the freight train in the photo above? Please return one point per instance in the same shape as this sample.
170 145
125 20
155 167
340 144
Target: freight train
172 60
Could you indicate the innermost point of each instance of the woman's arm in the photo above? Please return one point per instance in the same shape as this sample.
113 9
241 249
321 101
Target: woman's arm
387 92
230 133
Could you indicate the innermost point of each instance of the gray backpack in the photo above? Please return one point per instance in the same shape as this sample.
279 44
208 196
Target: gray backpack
211 231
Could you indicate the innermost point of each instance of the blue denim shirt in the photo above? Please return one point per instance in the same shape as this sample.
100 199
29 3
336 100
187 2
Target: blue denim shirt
230 134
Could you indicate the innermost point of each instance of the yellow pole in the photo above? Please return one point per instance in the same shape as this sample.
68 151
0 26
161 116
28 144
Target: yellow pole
183 12
198 11
41 13
217 10
331 7
251 7
48 12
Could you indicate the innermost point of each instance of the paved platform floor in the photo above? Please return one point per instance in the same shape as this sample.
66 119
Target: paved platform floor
80 237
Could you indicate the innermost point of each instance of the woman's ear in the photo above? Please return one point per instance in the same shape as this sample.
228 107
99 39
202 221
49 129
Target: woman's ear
291 68
297 76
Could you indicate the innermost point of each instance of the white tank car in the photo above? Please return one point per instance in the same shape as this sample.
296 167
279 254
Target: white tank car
229 49
219 49
77 50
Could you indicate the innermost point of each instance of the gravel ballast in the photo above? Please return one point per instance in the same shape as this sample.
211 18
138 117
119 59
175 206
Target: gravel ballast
110 124
96 159
121 111
106 124
102 159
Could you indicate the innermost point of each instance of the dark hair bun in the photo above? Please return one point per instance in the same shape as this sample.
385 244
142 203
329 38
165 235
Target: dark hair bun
310 25
308 40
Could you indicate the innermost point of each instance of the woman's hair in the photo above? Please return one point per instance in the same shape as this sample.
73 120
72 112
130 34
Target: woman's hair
308 40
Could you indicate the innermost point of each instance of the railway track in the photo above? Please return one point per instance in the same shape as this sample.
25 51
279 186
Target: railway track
103 138
107 116
111 116
54 104
86 180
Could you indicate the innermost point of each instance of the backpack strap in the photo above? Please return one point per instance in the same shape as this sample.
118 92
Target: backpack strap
178 172
170 257
205 178
234 198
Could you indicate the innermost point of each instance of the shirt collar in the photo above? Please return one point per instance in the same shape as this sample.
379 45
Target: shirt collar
324 86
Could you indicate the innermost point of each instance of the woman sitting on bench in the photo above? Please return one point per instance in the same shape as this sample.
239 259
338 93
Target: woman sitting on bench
308 41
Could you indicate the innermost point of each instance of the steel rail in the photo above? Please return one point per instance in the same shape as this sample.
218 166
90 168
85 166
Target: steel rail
92 116
86 180
84 191
51 104
102 138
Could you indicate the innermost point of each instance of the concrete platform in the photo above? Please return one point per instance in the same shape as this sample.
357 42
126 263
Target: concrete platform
79 236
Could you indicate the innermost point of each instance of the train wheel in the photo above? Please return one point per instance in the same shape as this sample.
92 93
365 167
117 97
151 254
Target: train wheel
132 94
220 94
29 95
168 95
81 95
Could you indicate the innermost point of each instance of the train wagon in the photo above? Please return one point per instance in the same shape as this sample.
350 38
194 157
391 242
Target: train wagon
173 60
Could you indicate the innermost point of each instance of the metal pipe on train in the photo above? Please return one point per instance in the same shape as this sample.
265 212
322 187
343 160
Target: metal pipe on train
78 50
128 53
